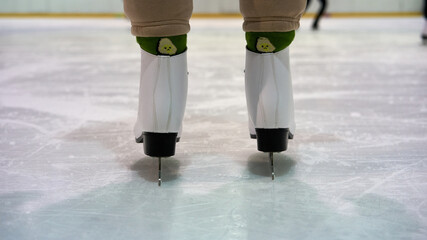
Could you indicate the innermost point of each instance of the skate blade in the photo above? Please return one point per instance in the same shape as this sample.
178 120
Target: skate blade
272 166
160 172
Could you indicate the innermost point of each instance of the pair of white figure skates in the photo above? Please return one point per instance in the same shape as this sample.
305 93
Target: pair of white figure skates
163 94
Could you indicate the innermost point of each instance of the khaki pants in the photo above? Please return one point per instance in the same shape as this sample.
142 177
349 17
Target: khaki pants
161 18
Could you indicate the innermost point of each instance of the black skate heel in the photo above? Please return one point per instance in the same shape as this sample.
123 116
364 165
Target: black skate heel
272 140
158 144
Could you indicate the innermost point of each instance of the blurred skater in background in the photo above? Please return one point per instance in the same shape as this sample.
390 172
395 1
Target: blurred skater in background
424 33
319 14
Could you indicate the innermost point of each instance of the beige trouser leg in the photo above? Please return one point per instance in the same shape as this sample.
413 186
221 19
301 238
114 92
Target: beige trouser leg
159 18
271 15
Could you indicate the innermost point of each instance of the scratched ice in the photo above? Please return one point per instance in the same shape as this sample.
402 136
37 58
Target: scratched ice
70 168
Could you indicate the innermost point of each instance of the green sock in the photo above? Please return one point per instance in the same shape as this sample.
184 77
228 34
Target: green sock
171 46
268 42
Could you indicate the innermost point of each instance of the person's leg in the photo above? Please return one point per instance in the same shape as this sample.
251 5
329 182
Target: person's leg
161 29
155 23
425 9
275 20
154 18
308 4
271 15
323 5
424 33
270 27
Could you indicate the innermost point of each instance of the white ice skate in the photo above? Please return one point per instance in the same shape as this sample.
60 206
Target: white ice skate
162 99
270 101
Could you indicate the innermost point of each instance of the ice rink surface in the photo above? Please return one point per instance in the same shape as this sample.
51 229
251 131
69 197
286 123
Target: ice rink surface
70 169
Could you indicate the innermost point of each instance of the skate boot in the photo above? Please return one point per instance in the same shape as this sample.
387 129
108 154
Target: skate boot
269 100
162 99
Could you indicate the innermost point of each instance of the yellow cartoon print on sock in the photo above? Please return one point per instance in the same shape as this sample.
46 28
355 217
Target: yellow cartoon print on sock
166 47
264 45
